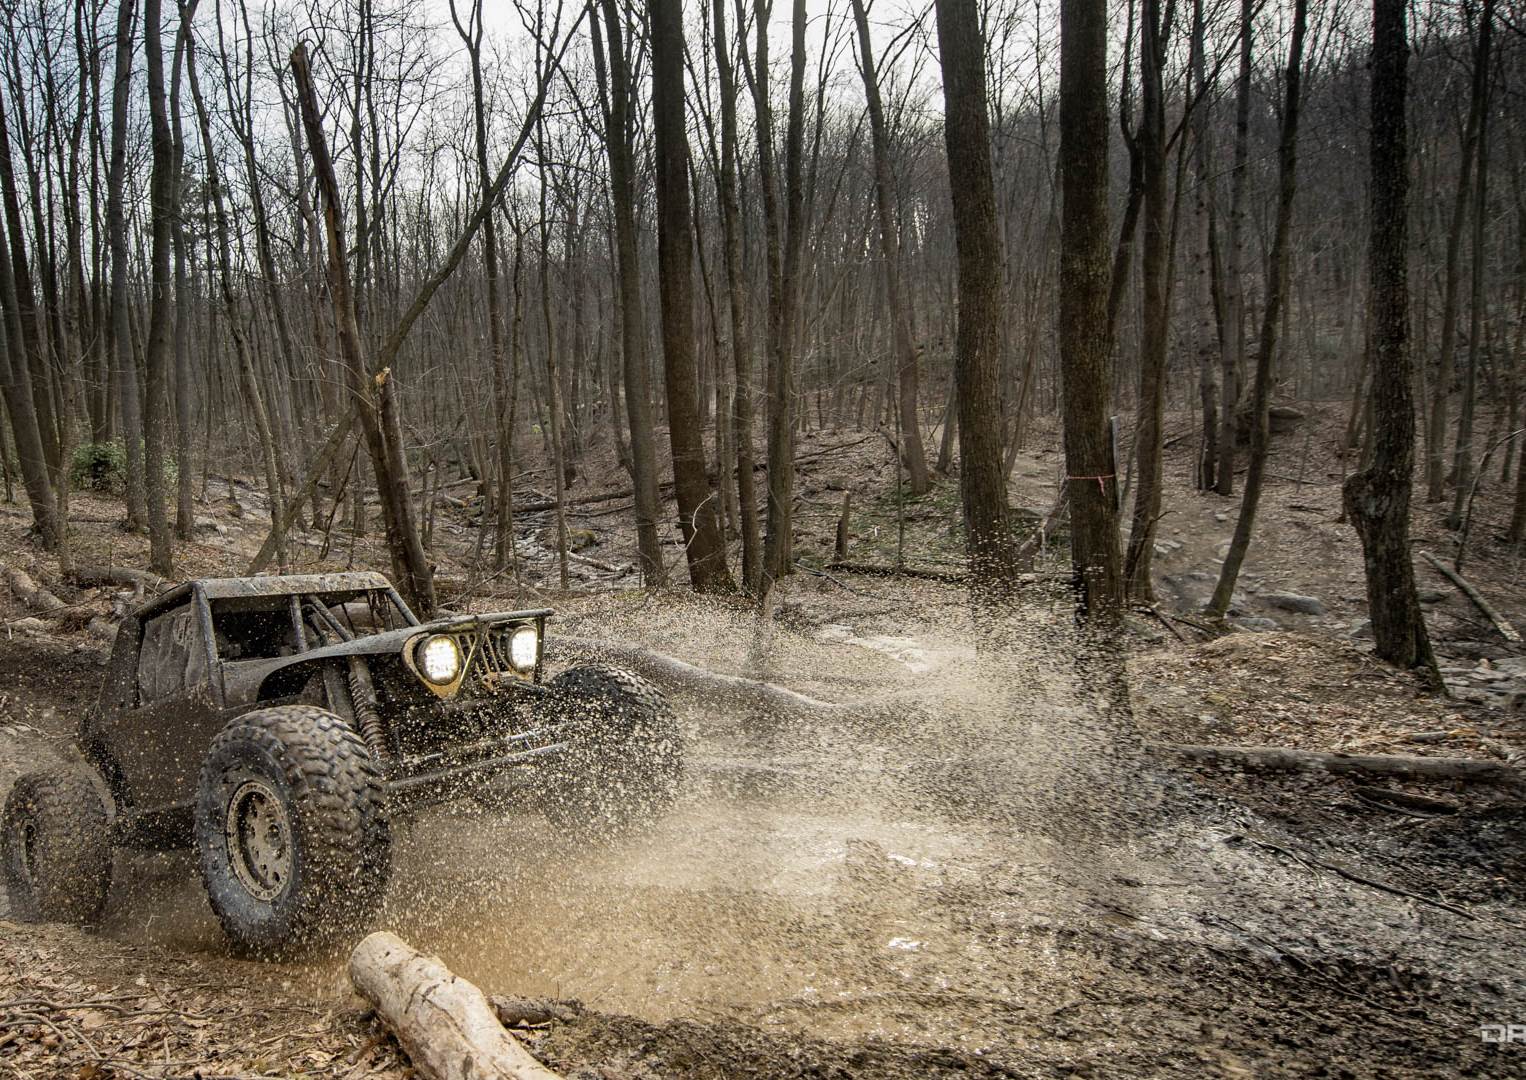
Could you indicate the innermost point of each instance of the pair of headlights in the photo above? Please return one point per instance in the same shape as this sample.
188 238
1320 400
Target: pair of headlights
439 656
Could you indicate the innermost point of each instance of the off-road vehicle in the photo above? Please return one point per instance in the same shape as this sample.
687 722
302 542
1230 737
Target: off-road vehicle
282 724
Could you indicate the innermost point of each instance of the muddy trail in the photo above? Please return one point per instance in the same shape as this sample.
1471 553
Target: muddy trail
980 878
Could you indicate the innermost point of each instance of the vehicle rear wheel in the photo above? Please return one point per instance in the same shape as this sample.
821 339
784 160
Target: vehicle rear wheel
54 850
291 831
624 755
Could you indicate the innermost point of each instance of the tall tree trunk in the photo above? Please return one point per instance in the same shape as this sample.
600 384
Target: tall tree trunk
1271 319
161 313
1154 30
618 139
1206 297
248 377
1085 351
1378 498
1232 336
125 365
185 510
374 397
779 546
1436 430
912 454
977 359
1462 462
699 517
737 300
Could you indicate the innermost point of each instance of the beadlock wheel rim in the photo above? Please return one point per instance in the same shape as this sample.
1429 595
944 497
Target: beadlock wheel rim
258 833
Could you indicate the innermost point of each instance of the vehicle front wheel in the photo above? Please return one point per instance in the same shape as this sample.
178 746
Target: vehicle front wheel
54 850
624 754
291 831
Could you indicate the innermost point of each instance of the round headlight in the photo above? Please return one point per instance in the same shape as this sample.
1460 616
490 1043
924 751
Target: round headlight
439 659
524 648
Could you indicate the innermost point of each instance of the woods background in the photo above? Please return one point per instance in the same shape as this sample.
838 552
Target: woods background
256 238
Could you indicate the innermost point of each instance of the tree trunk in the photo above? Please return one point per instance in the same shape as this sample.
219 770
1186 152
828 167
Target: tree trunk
1271 318
740 309
1232 336
1154 31
1436 431
125 366
699 516
618 139
410 565
1462 462
249 379
912 454
161 313
977 360
1085 351
185 510
1377 499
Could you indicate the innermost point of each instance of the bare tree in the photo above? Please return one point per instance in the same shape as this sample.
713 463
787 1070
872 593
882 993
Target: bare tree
1377 499
982 482
898 303
1271 319
699 517
619 138
1085 352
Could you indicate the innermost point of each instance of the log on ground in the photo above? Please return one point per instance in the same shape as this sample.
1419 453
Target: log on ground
1398 766
444 1023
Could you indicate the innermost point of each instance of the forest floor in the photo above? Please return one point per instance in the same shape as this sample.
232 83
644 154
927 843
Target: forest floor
987 886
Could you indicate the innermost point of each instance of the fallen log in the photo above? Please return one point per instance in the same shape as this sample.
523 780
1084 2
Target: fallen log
140 581
25 589
443 1022
948 577
1399 766
1502 624
730 691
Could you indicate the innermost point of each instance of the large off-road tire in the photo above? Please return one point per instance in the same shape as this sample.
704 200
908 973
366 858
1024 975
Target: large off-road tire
54 849
624 755
291 830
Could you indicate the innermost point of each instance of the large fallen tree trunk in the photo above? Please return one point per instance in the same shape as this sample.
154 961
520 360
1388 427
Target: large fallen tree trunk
445 1024
140 581
730 691
1398 766
33 595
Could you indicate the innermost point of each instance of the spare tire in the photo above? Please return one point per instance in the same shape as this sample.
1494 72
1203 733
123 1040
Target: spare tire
624 755
291 830
54 849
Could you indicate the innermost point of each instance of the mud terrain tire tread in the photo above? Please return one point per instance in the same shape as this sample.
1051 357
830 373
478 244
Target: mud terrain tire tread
72 873
626 758
333 792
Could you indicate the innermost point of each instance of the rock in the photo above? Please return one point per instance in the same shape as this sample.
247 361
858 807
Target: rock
1164 548
1221 517
1432 596
1282 418
1255 624
1295 602
29 625
1362 628
1512 665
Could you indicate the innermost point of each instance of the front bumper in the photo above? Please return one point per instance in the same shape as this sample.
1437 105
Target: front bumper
454 771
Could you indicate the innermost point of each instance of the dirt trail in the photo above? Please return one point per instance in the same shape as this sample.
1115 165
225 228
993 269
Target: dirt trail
932 895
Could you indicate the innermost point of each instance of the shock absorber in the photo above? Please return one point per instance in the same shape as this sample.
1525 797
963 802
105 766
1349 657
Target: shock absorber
367 719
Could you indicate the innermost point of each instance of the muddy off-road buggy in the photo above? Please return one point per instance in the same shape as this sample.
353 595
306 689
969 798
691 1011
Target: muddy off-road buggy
281 724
